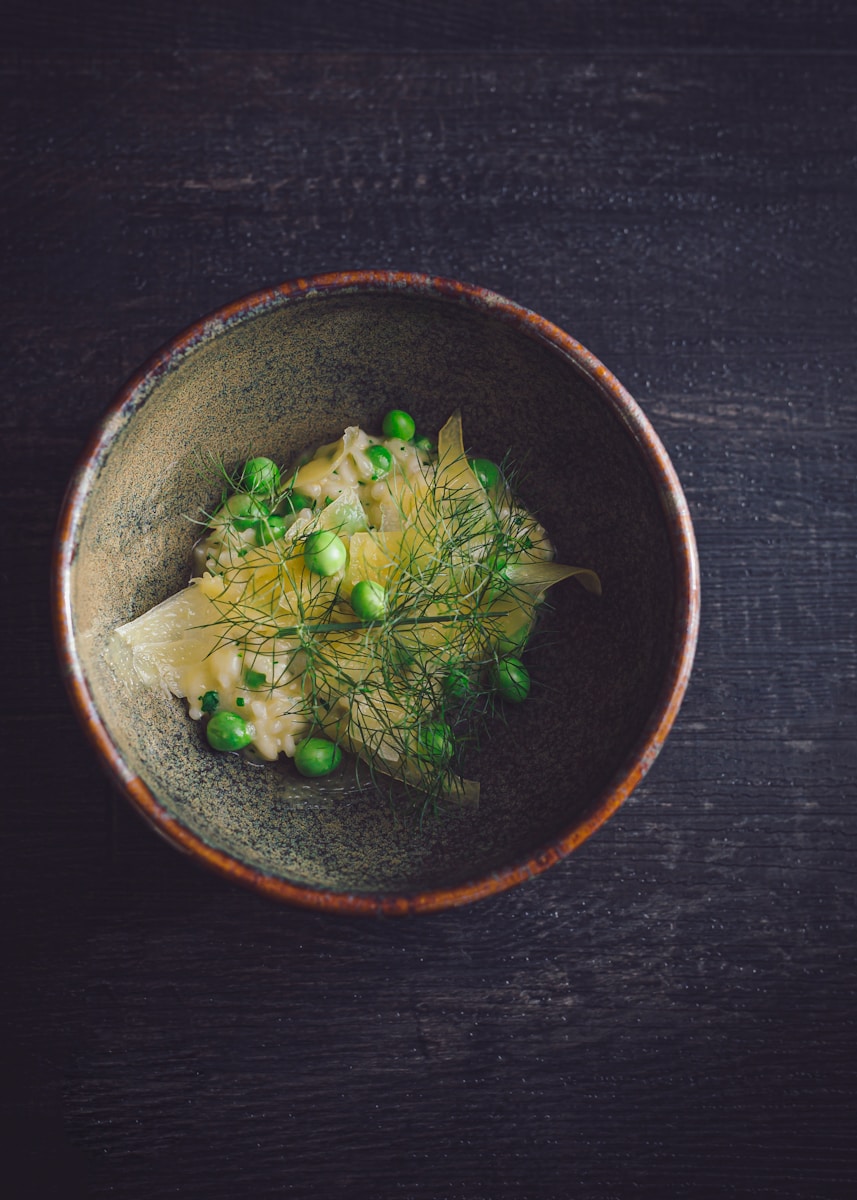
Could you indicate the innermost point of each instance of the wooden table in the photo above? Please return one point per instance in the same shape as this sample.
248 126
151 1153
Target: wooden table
671 1011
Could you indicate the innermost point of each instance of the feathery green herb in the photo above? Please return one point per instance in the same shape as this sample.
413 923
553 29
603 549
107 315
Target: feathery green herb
376 599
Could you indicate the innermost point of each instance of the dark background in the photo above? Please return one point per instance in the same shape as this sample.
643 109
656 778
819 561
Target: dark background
671 1011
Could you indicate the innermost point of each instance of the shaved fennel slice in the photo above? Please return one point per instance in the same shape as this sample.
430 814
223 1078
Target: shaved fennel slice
176 633
464 792
376 745
455 476
536 578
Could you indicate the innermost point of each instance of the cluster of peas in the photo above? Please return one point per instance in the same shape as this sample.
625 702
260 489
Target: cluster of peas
325 554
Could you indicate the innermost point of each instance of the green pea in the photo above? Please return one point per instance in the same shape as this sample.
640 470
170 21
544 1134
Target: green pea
425 444
251 510
369 600
324 552
261 475
227 731
511 679
456 684
316 756
514 643
398 424
486 472
242 508
269 530
292 502
435 742
381 460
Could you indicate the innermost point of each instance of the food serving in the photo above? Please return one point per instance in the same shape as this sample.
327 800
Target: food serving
293 366
376 599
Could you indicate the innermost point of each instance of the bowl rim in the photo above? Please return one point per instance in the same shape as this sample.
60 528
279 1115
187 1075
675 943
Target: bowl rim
637 761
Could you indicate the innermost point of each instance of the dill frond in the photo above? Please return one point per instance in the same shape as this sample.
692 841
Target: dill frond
468 569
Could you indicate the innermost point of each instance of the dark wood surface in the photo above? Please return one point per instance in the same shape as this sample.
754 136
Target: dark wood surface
670 1012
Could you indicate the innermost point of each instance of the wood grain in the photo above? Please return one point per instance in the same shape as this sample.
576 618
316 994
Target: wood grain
713 26
670 1012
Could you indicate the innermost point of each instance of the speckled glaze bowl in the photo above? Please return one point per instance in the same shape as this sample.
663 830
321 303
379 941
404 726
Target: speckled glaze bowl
288 368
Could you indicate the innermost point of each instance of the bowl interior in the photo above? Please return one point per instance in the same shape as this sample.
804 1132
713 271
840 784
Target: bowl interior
287 378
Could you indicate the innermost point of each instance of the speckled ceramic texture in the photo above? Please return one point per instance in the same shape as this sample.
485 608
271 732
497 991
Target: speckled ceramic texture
291 367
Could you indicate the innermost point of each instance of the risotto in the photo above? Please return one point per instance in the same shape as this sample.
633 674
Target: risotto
376 599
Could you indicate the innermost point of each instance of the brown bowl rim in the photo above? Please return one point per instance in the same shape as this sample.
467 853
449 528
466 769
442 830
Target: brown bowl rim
683 544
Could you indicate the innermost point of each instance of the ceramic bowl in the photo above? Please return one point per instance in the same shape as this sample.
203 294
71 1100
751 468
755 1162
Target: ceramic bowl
287 368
